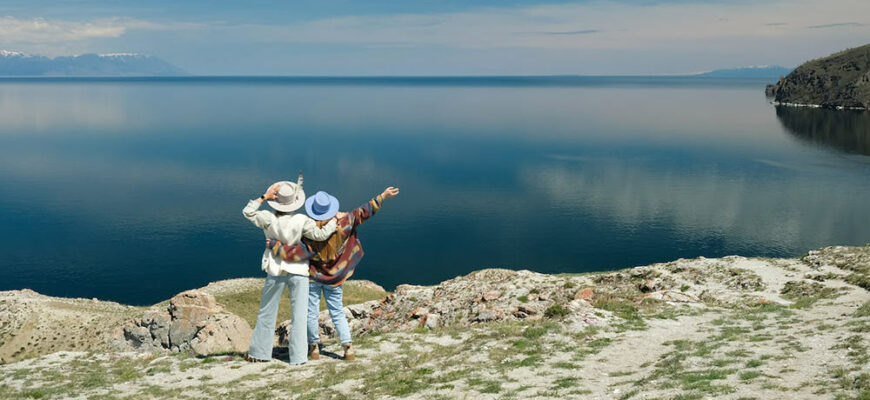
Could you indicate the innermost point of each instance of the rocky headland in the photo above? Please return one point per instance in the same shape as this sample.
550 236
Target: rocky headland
731 327
841 80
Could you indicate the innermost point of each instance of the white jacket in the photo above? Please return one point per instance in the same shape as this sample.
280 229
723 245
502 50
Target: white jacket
289 229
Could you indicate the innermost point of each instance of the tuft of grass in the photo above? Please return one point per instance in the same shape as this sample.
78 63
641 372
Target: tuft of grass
806 293
565 382
534 332
556 311
623 309
749 375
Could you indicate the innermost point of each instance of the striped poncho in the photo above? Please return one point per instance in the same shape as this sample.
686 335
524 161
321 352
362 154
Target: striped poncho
335 259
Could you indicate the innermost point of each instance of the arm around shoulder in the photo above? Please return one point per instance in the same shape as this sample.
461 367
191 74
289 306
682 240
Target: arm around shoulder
311 231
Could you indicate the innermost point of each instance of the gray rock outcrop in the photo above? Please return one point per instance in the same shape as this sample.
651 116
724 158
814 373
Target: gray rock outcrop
484 296
193 321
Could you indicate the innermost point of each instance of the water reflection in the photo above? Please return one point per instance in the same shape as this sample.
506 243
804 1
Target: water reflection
843 130
555 179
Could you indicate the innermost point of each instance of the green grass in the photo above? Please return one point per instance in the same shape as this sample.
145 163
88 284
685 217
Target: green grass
753 363
556 311
749 375
246 303
804 294
565 382
624 309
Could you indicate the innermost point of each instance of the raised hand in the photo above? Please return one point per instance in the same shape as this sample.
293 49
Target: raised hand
272 192
390 192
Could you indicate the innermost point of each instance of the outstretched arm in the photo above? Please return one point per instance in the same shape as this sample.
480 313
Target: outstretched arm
365 211
262 219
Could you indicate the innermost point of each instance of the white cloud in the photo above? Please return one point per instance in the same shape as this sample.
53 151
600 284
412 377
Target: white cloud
616 25
39 30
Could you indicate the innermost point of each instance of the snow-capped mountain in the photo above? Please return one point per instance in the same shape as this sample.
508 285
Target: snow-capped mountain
13 63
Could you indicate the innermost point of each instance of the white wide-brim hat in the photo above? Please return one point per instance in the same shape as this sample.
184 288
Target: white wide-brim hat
290 198
322 206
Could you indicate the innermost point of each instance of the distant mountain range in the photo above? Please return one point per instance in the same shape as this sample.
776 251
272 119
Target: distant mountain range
13 63
760 71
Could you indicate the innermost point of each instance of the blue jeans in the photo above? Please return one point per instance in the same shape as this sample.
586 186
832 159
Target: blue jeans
264 331
334 298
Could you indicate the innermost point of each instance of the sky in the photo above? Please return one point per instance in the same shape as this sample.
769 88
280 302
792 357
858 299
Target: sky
441 37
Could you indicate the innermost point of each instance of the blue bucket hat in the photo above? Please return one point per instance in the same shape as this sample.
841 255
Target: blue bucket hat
321 206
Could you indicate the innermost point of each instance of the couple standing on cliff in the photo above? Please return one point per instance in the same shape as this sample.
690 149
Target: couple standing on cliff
309 254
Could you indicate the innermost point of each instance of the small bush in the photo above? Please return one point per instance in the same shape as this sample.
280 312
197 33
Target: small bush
556 311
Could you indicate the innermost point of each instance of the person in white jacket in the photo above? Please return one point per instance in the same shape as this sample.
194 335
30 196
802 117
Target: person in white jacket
288 227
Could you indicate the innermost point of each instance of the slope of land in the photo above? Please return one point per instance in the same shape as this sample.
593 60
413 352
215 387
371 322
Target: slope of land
841 80
734 328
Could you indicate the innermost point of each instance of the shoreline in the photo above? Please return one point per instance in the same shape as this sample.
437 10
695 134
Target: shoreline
787 104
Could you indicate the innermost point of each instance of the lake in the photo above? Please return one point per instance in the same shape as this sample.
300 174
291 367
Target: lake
132 189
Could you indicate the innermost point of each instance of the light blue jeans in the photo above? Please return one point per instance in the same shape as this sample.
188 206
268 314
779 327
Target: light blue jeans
333 297
264 331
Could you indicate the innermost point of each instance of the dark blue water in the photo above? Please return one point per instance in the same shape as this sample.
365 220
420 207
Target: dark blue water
132 189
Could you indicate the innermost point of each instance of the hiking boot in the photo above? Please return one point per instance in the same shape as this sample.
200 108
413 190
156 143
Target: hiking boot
348 352
314 351
254 360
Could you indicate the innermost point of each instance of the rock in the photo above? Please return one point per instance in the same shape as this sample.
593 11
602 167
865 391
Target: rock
489 315
419 312
222 334
158 323
192 321
188 310
527 310
138 336
584 294
432 321
282 332
489 295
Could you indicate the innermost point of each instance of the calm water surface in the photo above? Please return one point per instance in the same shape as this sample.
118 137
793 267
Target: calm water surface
132 190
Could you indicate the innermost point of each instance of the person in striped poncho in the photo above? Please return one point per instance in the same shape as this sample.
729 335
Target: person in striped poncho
332 262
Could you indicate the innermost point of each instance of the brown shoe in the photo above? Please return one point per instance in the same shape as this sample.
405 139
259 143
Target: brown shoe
314 351
253 360
348 352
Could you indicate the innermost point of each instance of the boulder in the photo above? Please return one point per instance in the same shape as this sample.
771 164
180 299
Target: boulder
489 295
192 321
189 310
586 293
224 333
